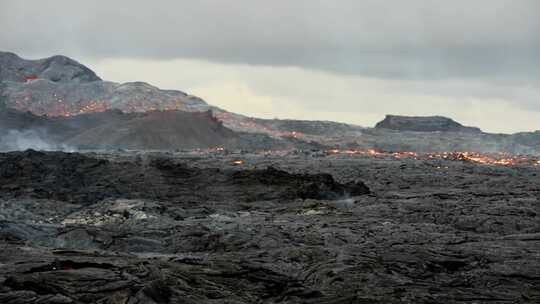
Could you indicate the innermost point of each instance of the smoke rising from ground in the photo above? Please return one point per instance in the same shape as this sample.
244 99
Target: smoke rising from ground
15 140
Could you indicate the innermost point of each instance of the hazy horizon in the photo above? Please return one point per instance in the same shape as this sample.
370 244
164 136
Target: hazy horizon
346 61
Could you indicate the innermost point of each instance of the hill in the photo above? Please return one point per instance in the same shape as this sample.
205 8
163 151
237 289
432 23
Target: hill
85 111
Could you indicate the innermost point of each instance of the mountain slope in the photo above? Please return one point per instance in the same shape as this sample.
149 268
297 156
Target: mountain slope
157 130
59 86
113 129
63 90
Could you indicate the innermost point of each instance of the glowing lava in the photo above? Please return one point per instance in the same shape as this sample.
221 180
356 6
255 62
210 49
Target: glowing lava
238 162
500 159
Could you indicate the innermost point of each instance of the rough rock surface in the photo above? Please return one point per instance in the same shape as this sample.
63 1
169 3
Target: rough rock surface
190 228
182 130
423 124
113 129
60 86
57 69
76 178
44 97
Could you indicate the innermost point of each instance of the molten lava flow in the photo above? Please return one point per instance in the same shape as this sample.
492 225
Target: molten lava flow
473 157
61 104
94 106
238 162
29 78
251 125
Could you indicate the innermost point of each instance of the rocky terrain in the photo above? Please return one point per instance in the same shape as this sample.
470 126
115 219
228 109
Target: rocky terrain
113 129
59 87
193 227
302 212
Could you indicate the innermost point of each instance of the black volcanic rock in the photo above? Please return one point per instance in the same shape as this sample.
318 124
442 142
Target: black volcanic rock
80 179
55 69
174 228
154 130
423 124
318 186
113 129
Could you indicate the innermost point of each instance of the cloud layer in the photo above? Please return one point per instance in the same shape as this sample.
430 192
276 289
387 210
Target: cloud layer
407 39
291 92
346 60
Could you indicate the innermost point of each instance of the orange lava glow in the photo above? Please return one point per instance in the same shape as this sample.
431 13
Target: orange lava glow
58 105
249 124
94 106
500 159
29 78
60 109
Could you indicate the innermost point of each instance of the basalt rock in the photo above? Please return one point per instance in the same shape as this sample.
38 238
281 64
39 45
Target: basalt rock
423 124
196 228
77 178
304 186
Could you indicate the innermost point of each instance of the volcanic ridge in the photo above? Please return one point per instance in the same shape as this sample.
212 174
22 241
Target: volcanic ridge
72 96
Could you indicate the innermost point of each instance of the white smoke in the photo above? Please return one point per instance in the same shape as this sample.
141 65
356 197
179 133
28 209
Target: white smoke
15 140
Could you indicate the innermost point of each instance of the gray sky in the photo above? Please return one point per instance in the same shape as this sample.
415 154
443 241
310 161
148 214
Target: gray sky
348 60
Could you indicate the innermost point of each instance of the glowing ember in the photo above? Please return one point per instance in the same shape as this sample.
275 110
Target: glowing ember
251 125
333 151
94 106
29 78
238 162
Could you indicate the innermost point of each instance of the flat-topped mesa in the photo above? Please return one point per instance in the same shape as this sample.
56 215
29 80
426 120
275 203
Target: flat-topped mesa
423 124
55 69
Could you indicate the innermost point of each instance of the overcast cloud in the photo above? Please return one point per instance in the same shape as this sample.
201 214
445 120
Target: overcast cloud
449 57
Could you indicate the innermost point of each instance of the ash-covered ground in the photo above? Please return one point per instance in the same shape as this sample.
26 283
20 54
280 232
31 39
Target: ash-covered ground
141 227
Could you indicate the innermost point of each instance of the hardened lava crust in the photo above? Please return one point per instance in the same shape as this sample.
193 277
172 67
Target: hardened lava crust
194 227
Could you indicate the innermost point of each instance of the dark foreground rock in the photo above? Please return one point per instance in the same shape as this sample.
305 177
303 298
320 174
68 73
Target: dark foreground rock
76 178
159 228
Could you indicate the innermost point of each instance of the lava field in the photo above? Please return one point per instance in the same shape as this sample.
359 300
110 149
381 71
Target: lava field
141 227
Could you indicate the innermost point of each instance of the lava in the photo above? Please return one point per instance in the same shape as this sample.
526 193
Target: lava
94 106
250 125
238 162
29 78
59 108
500 159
